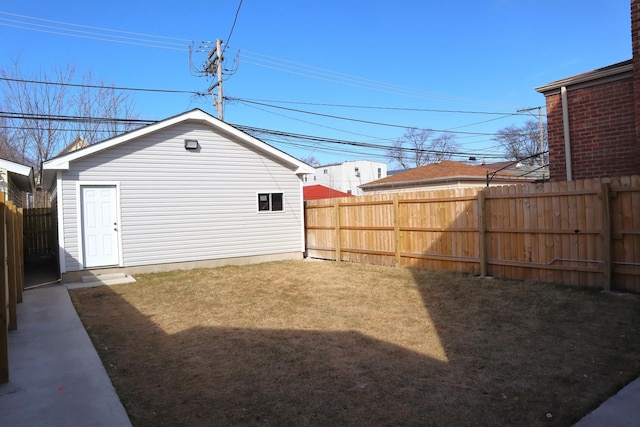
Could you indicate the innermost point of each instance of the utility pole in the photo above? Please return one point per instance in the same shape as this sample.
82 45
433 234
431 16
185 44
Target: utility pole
540 127
214 67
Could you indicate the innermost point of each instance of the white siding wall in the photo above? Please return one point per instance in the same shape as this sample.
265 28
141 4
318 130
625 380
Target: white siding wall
178 205
343 176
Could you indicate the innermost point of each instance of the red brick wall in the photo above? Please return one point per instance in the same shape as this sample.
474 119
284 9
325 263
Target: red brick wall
635 47
557 169
603 136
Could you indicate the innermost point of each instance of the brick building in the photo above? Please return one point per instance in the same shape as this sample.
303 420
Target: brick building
593 119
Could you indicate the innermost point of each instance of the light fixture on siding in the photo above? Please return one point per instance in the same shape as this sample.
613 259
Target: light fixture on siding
191 144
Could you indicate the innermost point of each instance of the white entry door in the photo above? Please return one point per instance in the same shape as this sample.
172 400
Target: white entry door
99 226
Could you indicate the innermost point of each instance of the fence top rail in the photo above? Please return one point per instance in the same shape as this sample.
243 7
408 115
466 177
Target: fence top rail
619 189
440 199
542 194
314 206
390 201
367 203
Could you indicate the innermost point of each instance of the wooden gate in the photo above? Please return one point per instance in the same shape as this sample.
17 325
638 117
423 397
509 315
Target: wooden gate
39 238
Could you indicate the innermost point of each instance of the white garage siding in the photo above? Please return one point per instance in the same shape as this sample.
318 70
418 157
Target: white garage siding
178 205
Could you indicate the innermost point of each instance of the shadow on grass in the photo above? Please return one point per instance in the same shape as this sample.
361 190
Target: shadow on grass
515 355
226 376
545 354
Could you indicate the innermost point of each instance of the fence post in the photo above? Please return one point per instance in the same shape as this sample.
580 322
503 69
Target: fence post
606 236
11 266
20 252
336 206
482 233
396 228
4 297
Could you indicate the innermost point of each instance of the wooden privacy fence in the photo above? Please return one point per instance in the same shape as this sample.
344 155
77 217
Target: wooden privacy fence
581 233
11 276
39 237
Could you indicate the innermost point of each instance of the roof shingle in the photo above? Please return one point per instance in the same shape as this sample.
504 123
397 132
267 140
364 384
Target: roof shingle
443 169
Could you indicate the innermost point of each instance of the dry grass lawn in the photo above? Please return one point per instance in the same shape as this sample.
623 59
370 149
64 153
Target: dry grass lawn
325 343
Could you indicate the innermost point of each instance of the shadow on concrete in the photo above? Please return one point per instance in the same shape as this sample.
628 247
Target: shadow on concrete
40 271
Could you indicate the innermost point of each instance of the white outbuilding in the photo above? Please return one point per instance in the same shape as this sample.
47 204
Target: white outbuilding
189 191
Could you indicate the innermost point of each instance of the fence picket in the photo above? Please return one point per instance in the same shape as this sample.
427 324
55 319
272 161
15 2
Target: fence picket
548 232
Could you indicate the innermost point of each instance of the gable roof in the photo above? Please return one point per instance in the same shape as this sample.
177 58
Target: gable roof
318 191
76 144
445 170
21 175
62 161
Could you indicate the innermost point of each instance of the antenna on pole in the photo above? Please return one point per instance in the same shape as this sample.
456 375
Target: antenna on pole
540 130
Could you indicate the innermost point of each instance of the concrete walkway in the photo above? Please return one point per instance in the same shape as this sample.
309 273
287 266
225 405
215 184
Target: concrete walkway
621 410
56 377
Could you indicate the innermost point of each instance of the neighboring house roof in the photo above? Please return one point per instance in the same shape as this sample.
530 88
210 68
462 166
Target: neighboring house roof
62 161
21 175
610 73
435 173
314 192
76 144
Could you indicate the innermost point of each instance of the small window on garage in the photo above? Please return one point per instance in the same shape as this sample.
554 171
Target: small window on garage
270 202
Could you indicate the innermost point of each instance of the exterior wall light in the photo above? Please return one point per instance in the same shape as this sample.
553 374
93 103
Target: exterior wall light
191 144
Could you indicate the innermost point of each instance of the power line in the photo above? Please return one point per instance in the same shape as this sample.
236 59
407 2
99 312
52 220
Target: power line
359 120
250 101
74 130
91 27
156 41
373 107
248 129
65 118
316 124
105 34
310 71
89 86
235 19
484 121
251 130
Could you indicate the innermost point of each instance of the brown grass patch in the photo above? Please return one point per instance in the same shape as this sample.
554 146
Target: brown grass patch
324 343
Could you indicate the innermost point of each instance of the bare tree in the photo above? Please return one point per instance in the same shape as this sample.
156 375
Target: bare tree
310 160
419 147
522 142
7 151
31 130
106 105
44 112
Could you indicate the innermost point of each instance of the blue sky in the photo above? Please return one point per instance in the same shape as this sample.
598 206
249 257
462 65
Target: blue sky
461 58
